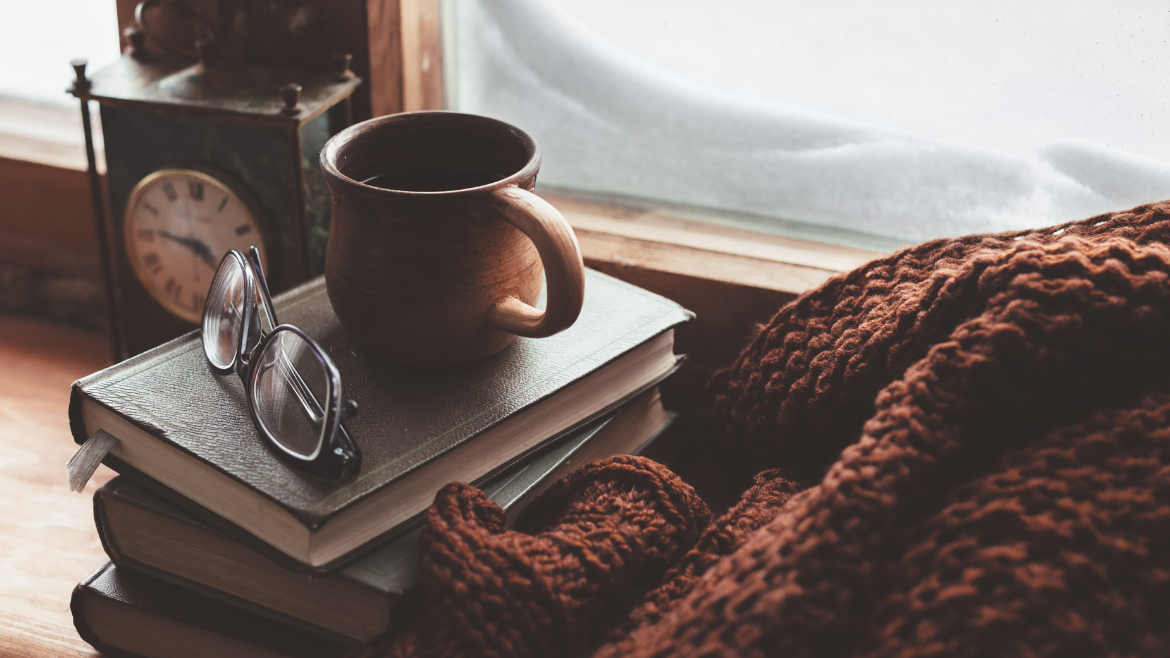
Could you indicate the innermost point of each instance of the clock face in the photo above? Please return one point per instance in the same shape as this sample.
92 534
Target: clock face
179 223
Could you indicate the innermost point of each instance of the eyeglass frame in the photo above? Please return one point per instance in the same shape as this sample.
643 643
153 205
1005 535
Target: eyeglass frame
337 455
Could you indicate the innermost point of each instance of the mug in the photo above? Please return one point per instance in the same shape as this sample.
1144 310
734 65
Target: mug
437 246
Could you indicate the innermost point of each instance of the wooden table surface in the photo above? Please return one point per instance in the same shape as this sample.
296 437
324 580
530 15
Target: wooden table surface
47 537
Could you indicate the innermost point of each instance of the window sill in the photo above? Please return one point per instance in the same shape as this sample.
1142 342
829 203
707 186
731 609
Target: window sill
732 279
737 256
45 134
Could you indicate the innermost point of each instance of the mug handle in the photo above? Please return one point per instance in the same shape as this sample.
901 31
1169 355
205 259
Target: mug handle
564 269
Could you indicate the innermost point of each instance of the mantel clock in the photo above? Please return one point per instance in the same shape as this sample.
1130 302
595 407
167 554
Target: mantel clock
202 158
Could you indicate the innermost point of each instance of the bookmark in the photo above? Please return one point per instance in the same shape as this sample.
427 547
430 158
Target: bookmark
85 461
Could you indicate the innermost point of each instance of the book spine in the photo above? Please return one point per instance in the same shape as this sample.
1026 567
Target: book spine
195 615
103 524
77 607
76 423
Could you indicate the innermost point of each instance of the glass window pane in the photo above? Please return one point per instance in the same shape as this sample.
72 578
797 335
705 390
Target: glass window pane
909 119
39 39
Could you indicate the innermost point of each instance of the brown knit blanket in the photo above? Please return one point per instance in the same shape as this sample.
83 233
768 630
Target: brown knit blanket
983 426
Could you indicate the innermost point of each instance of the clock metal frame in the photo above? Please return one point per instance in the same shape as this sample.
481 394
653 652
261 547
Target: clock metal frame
208 175
230 119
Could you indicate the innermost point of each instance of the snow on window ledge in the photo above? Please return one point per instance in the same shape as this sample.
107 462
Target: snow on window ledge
611 124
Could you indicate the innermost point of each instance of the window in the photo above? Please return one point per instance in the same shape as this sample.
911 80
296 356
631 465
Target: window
910 119
39 39
39 121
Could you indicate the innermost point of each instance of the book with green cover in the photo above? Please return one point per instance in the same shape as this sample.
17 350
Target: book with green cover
181 425
144 531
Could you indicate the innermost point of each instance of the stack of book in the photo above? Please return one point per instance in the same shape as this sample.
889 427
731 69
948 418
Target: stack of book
218 547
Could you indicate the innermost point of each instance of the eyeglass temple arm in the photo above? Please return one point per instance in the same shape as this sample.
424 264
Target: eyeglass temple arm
265 295
349 409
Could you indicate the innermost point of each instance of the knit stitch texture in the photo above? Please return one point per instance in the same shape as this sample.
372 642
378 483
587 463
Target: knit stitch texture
983 424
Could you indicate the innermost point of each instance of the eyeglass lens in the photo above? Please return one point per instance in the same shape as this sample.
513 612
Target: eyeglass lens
224 318
290 388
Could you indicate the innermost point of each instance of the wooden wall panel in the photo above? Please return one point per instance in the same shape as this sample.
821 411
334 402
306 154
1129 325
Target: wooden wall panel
47 220
422 55
384 22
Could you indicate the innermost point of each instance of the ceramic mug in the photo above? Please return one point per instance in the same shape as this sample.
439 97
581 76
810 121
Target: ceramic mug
437 246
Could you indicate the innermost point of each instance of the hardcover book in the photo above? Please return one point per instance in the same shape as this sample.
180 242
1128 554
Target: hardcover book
125 613
181 425
145 532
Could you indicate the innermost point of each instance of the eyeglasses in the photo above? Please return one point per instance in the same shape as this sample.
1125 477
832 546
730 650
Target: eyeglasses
293 387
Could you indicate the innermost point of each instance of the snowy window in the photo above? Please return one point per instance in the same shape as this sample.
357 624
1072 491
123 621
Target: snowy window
911 119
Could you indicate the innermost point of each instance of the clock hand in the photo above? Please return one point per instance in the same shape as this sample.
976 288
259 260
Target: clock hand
198 247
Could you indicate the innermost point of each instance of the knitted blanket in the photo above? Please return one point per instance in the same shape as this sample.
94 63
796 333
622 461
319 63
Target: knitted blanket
968 446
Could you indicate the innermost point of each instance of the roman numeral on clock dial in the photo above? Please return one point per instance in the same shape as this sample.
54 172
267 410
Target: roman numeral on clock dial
152 262
178 226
